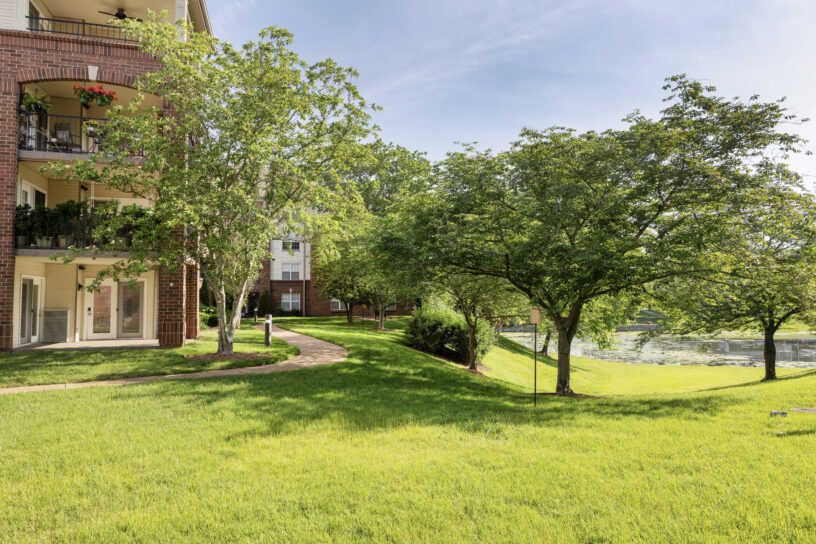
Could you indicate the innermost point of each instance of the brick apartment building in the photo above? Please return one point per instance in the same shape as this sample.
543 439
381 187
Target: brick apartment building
287 276
46 47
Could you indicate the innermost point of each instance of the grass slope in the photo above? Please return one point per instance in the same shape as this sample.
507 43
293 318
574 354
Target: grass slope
513 364
395 446
37 367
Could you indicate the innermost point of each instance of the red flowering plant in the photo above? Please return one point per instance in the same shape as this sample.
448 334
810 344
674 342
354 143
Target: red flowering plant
87 94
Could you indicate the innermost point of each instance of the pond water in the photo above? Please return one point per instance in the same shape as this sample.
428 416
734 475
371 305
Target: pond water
800 353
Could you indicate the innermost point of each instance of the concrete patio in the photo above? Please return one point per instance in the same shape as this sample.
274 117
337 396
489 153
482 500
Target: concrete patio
118 343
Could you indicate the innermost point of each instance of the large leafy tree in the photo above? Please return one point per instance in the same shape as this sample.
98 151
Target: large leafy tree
249 140
354 261
570 218
766 274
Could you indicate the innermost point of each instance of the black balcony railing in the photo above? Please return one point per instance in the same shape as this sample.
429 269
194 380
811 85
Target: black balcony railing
77 28
64 134
50 229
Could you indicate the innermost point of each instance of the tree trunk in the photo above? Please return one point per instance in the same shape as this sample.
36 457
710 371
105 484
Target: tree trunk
226 334
381 308
349 313
567 327
770 354
227 327
545 347
472 362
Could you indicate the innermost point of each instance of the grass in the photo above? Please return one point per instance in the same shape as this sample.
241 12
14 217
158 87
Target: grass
392 445
513 364
36 367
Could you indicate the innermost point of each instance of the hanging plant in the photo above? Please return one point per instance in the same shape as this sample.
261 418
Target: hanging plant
36 103
91 93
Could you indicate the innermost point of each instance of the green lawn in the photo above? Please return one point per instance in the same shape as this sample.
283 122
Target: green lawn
45 367
394 446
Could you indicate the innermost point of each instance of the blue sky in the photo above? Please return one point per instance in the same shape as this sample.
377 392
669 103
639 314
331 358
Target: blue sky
480 70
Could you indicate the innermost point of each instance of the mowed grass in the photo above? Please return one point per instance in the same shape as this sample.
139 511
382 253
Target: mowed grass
513 364
392 445
36 367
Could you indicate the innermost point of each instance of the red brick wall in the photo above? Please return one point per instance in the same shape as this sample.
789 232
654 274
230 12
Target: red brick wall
172 302
191 291
317 305
27 57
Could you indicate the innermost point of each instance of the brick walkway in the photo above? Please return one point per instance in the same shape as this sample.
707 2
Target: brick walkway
313 352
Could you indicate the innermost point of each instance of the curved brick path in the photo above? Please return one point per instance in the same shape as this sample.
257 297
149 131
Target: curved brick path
313 352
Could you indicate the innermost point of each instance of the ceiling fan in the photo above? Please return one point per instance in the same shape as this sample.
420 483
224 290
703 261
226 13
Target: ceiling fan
120 14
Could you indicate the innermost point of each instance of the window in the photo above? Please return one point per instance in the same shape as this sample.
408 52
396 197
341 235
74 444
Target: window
290 271
391 307
338 305
291 246
290 301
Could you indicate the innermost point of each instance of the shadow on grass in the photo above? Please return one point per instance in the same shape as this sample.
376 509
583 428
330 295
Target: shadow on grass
384 384
797 376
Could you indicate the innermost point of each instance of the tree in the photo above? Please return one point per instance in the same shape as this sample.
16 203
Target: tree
339 272
767 274
353 262
571 218
248 141
480 298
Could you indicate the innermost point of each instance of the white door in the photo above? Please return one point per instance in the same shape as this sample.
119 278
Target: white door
31 300
100 313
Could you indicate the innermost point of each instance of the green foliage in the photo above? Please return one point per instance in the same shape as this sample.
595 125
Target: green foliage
568 218
264 303
249 126
445 332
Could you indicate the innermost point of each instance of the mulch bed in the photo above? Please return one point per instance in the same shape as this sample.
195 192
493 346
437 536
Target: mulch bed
226 356
382 330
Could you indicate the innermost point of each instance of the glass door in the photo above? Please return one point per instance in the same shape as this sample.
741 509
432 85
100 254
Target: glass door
99 321
30 310
25 311
130 307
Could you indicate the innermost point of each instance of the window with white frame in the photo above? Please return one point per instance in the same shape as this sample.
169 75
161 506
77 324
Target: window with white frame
338 305
290 301
291 246
391 307
290 271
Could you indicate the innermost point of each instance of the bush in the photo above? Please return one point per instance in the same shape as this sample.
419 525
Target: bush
287 313
212 320
445 332
263 303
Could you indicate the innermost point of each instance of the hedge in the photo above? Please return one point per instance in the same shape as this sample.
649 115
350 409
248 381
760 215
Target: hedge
445 332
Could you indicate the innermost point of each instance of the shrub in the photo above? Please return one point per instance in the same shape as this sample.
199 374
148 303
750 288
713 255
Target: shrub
263 303
445 332
212 320
288 313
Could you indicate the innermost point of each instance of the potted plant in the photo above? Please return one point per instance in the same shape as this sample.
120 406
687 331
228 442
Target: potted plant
36 104
91 127
68 214
40 227
22 225
90 93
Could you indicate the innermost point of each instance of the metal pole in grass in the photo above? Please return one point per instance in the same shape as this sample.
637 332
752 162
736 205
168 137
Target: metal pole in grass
535 319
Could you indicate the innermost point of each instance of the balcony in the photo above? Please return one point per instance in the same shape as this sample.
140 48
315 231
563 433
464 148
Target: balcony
72 225
76 28
64 134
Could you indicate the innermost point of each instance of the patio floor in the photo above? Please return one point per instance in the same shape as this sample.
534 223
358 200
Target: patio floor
118 343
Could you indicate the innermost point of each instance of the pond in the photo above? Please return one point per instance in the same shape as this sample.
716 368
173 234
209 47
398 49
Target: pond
799 353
